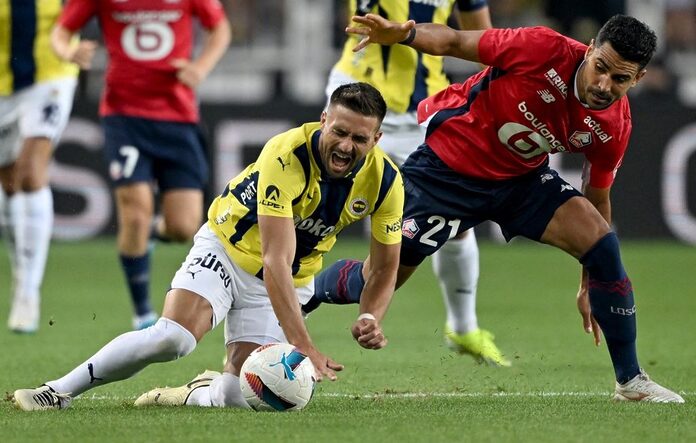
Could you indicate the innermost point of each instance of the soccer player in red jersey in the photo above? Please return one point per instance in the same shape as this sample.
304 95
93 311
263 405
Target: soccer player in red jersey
485 157
150 115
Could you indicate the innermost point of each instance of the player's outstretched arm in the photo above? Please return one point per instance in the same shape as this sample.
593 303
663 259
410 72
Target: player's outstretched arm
278 250
380 281
429 38
66 48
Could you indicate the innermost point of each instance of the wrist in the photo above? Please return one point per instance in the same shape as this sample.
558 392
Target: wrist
409 38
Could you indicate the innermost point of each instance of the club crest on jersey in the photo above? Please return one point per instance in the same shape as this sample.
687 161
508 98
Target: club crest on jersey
556 80
409 228
358 206
272 196
580 139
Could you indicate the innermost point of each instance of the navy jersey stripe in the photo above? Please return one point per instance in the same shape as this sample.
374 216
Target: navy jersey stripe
247 199
445 114
302 154
421 13
22 61
388 177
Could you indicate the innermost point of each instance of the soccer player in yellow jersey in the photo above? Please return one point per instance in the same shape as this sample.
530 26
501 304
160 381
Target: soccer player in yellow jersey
36 92
253 262
405 77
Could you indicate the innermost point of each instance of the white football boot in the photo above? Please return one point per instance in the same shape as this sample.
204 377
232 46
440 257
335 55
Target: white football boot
39 399
641 388
175 396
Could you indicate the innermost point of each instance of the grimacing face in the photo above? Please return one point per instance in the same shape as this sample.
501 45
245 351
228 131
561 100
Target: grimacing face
605 76
346 138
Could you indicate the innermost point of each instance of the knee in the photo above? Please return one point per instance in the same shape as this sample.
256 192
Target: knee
181 229
172 340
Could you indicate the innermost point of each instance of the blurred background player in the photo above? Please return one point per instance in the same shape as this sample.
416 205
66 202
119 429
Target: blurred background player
254 261
150 114
405 77
36 93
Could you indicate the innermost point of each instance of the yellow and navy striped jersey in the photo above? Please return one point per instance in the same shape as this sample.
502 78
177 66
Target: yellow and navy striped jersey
26 56
289 180
403 75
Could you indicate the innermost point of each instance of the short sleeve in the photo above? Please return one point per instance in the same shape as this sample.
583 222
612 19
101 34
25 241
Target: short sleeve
76 13
280 182
385 221
209 12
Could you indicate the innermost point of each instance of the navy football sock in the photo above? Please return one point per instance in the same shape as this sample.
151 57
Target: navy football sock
137 271
341 283
611 300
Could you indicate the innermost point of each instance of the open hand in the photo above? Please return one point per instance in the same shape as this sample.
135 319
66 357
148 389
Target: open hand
377 29
589 323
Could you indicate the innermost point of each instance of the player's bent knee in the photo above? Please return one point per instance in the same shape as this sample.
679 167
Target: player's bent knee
172 340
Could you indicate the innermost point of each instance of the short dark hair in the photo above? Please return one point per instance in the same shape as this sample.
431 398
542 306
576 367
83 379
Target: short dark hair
631 39
361 98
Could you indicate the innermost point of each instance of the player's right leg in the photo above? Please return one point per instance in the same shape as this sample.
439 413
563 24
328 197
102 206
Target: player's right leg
186 318
199 300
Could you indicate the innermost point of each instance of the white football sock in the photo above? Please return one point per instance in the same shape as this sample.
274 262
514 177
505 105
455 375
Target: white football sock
126 355
35 234
456 265
12 217
226 393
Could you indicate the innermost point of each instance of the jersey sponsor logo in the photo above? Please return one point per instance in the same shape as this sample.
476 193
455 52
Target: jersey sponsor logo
623 311
358 206
580 139
556 80
409 228
546 95
272 196
211 263
394 227
315 227
597 129
527 142
248 194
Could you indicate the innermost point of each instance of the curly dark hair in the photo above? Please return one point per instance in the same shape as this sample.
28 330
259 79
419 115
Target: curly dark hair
631 39
361 98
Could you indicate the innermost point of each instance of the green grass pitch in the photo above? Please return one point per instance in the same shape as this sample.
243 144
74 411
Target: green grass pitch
414 390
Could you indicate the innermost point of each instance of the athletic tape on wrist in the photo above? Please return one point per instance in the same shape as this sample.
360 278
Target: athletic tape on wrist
366 316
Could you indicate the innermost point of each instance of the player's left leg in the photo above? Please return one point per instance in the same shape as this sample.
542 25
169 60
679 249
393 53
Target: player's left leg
579 229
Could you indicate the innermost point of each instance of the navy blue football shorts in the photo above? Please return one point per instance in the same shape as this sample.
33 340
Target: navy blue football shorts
172 154
441 203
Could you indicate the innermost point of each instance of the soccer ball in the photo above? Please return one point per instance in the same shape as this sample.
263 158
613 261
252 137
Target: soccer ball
277 377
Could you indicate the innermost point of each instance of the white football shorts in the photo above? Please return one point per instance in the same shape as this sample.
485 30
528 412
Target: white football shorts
235 295
401 132
40 110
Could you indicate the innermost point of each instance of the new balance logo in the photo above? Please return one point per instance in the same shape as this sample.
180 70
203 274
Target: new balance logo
546 95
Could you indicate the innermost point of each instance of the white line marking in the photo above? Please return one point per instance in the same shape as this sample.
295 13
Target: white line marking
397 395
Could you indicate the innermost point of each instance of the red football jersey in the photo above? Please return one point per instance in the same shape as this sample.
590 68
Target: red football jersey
506 120
142 38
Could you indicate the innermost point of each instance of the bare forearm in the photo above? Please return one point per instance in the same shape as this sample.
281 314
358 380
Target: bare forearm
435 39
61 42
216 43
377 293
283 297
